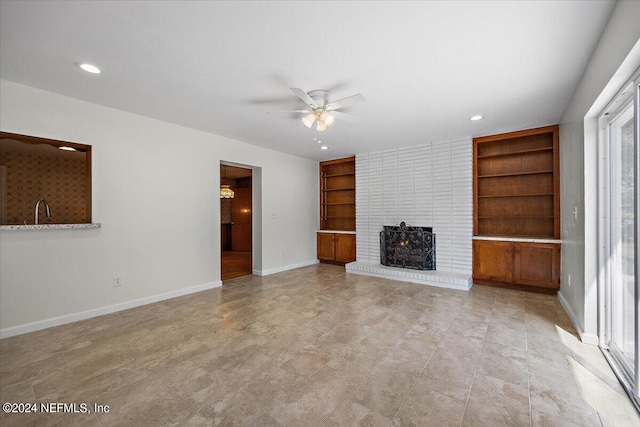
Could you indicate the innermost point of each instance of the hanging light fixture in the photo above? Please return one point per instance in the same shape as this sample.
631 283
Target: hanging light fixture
324 120
225 190
328 118
308 120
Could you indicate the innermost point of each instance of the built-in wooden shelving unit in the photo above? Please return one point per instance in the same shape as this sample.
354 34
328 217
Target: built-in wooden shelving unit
338 194
337 211
516 192
516 179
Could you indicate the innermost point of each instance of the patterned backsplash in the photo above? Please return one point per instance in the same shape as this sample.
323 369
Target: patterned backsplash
33 176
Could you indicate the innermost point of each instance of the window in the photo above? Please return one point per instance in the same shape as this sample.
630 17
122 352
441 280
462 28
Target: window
32 169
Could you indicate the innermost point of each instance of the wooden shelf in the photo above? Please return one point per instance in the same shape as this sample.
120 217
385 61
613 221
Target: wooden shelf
338 174
527 236
515 153
339 189
515 195
336 217
336 204
516 217
497 175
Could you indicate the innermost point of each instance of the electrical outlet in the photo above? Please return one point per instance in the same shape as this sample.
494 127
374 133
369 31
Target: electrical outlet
117 281
569 280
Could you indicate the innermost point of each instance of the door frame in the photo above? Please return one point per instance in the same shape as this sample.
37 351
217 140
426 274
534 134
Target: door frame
256 216
630 91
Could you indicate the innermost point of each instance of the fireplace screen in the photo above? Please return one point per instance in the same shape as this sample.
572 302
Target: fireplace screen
408 247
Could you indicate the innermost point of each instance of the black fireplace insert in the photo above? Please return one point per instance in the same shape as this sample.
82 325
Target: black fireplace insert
408 247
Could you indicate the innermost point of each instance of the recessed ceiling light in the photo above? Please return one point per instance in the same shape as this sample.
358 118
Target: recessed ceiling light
89 68
324 147
67 148
475 118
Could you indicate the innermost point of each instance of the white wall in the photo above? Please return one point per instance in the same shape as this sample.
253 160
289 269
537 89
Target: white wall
155 191
426 185
610 65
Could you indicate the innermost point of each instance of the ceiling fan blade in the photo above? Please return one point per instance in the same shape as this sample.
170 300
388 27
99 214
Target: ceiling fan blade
306 98
292 111
341 103
344 116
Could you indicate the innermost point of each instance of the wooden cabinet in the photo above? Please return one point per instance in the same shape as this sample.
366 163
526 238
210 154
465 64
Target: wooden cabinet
537 264
337 248
326 246
338 194
345 247
493 261
521 265
225 236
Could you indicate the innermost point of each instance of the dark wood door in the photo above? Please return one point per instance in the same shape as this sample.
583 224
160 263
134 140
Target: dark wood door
326 247
493 260
345 247
537 264
241 215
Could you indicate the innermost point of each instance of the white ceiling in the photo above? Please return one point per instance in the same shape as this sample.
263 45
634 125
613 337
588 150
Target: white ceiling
424 67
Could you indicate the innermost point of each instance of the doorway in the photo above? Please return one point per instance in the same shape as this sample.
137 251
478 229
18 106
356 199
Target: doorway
236 213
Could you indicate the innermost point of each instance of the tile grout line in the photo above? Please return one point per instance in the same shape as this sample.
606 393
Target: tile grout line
350 391
526 346
475 371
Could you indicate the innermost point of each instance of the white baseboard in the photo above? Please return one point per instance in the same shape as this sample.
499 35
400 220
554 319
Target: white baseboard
587 338
69 318
285 268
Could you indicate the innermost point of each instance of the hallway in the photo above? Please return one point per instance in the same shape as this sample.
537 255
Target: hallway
235 264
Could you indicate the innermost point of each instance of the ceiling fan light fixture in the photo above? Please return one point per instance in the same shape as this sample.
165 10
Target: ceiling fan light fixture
308 120
319 101
321 126
329 119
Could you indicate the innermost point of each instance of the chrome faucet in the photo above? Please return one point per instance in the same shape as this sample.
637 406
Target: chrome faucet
46 207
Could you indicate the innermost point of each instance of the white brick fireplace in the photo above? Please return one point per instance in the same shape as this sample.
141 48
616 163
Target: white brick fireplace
426 185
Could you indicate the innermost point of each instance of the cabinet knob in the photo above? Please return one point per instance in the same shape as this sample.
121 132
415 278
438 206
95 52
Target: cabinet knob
517 251
508 251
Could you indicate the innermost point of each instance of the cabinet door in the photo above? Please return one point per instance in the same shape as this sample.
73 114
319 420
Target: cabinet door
537 264
326 247
493 260
345 247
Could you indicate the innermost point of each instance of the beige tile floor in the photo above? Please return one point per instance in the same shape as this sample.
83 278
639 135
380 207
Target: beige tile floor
317 346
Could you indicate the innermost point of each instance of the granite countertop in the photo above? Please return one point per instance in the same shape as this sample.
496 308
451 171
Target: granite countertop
50 226
337 231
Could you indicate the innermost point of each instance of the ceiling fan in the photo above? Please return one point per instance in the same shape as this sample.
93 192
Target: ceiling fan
321 109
